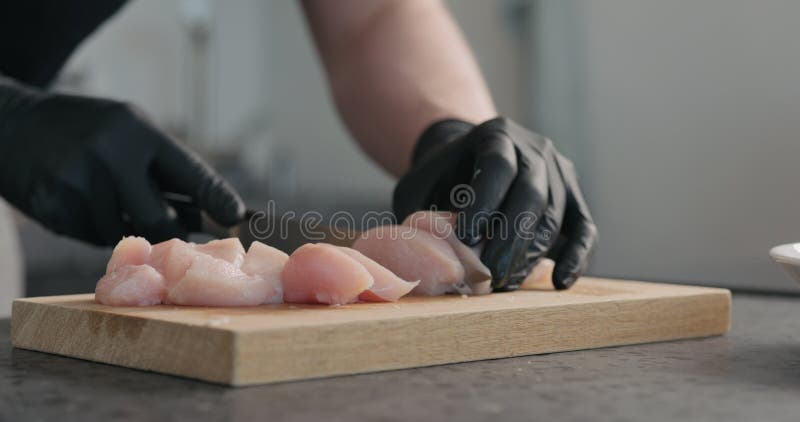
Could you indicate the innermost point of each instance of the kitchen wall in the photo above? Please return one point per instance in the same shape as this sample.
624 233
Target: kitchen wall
684 118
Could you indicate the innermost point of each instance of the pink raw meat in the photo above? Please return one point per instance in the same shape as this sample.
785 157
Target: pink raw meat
442 224
229 249
388 287
266 262
172 258
211 281
541 277
220 273
129 251
131 285
318 273
413 254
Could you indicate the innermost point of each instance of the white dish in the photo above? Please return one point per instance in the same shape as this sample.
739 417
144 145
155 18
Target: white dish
788 256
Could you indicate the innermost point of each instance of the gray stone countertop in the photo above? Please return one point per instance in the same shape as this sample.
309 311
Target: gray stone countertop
750 374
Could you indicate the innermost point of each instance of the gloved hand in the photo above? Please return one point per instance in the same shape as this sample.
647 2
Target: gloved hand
97 169
509 187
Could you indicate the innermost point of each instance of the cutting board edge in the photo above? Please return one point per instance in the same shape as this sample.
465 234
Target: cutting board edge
88 345
235 371
716 315
649 290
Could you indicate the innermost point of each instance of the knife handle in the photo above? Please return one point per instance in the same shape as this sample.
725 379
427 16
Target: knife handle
196 220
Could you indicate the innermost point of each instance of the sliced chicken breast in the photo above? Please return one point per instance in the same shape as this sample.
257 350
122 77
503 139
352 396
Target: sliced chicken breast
229 249
129 251
413 254
323 274
211 281
442 224
388 287
266 262
131 285
172 258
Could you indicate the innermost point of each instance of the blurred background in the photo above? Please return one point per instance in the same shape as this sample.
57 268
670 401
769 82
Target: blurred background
683 118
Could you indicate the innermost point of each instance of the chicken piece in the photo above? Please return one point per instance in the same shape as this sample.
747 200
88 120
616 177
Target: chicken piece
323 274
541 277
266 262
229 249
413 254
129 251
388 287
172 258
442 224
210 281
131 285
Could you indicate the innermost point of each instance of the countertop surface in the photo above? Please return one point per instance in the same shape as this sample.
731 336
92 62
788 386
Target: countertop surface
752 373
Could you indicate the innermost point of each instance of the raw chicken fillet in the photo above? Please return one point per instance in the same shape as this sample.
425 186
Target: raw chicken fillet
422 256
388 287
131 285
318 273
217 273
413 254
425 248
211 281
477 277
222 273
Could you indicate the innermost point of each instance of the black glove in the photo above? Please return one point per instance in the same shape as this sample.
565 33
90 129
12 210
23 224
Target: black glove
97 170
511 188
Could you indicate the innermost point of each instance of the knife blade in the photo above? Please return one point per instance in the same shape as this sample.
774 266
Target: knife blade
286 232
279 231
282 231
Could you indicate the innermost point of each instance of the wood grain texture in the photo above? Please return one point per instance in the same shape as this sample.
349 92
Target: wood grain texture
245 346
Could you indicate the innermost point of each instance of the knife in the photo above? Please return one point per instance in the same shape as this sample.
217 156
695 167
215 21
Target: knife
280 231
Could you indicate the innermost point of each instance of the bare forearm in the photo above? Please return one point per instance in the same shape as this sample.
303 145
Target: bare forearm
396 66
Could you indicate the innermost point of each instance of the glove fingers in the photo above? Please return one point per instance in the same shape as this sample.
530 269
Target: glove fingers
182 171
579 230
148 214
494 170
549 224
573 260
505 251
62 210
106 211
425 183
412 193
189 215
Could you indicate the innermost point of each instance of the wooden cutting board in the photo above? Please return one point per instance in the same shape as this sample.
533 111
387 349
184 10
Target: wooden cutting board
245 346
